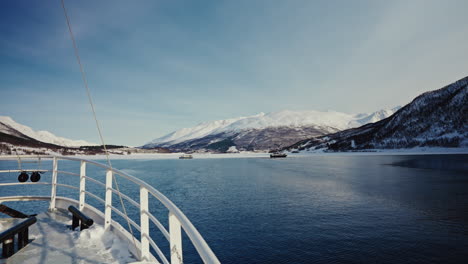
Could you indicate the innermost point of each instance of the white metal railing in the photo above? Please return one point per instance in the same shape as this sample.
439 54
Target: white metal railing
177 220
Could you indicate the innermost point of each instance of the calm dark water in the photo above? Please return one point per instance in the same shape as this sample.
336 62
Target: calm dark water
319 209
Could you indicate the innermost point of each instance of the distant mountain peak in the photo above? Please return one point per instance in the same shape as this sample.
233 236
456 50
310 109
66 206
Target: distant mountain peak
11 127
298 123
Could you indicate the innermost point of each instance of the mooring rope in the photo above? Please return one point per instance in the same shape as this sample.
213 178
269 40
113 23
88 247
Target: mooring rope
83 77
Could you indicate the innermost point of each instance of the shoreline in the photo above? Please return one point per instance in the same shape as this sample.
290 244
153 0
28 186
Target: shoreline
303 154
393 152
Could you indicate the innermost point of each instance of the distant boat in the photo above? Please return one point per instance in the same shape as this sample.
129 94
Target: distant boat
186 156
295 151
278 155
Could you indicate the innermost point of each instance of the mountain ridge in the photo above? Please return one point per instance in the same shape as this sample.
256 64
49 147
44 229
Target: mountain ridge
10 126
435 118
263 131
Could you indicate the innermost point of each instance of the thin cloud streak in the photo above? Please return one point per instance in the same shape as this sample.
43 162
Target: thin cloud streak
162 65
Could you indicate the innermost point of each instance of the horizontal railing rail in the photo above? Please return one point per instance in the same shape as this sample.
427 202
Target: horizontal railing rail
177 219
24 183
26 170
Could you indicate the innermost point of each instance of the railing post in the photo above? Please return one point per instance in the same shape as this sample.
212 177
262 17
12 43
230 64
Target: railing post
53 193
108 209
144 224
175 239
82 184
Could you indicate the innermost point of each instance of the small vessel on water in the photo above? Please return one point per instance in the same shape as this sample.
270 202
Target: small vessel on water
186 156
278 155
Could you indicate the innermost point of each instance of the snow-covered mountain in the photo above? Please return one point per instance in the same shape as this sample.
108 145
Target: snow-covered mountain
263 131
10 127
434 119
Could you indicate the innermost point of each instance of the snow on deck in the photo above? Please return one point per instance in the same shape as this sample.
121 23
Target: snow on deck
54 242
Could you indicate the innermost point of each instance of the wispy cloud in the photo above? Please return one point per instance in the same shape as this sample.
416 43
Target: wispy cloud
159 65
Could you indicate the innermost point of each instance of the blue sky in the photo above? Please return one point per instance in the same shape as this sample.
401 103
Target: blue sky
157 66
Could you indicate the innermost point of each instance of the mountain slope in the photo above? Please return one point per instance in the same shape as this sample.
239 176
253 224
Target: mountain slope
437 118
262 131
9 126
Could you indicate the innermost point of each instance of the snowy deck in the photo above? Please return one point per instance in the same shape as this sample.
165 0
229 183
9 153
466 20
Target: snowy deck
52 241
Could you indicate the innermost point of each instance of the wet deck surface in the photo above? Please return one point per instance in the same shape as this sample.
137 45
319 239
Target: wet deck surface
52 241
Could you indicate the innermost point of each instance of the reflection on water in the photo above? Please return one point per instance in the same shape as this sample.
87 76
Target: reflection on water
318 209
435 162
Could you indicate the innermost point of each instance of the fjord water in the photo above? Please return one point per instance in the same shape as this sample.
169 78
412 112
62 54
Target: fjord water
316 209
322 209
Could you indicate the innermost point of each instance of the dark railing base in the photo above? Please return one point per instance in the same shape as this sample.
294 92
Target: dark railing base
8 247
78 216
11 212
7 237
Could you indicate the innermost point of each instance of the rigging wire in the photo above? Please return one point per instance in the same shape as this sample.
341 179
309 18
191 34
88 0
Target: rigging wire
83 77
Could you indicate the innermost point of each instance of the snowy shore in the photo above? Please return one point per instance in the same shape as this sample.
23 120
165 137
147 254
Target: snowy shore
413 151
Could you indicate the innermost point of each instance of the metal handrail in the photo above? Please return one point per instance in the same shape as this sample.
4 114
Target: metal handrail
159 225
158 251
95 197
114 209
24 183
177 219
95 181
68 173
133 202
67 186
